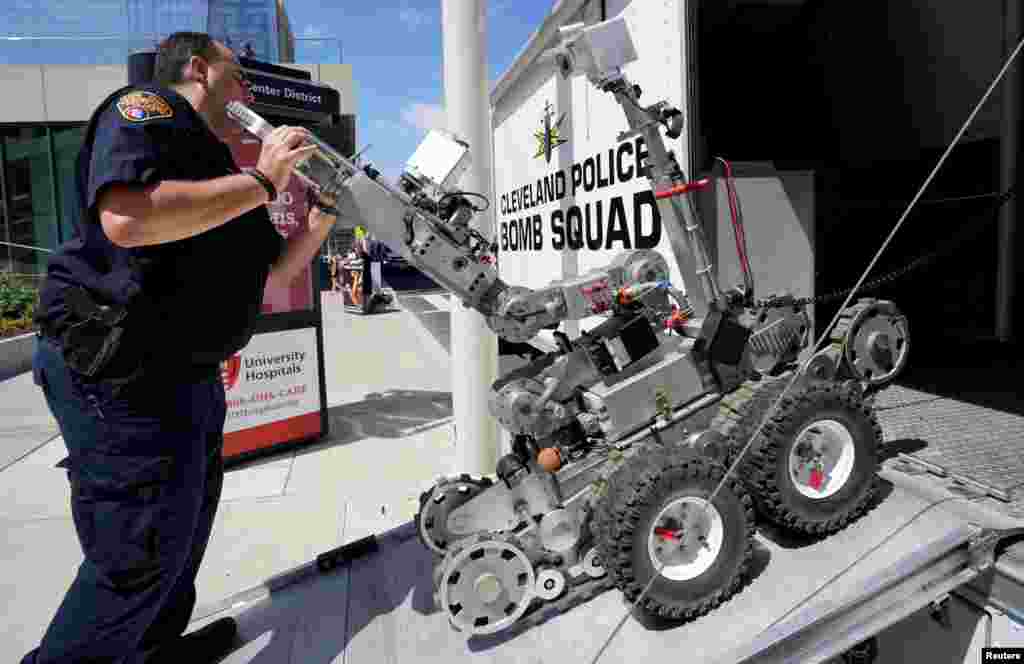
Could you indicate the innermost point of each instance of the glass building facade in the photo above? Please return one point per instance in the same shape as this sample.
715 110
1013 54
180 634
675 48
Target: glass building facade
37 160
105 32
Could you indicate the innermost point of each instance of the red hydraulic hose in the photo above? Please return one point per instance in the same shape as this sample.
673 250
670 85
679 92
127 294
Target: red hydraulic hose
737 226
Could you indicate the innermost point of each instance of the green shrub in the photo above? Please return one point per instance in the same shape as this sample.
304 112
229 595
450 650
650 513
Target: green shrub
17 300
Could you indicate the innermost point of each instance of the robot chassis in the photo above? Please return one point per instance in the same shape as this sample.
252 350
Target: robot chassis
621 436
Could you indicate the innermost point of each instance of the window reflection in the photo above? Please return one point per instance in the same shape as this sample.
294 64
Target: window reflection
105 32
38 206
31 214
66 143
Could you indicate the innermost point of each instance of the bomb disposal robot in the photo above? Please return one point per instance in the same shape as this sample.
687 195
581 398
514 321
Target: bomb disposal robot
622 435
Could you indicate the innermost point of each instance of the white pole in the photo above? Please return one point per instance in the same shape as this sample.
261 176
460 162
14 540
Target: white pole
474 348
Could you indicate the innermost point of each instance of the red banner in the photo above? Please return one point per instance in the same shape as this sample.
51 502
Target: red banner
288 213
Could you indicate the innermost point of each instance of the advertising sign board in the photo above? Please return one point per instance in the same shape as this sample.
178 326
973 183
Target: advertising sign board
273 391
275 385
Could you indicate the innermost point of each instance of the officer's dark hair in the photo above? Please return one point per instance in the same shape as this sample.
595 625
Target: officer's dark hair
175 52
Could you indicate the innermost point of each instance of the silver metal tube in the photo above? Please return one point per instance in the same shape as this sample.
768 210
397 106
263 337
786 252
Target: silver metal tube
681 414
687 242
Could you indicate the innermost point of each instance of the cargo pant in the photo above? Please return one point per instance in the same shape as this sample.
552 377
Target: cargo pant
145 468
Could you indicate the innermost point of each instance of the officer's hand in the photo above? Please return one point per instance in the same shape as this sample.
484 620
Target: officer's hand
282 149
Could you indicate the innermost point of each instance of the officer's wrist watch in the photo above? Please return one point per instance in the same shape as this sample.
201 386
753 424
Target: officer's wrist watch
268 186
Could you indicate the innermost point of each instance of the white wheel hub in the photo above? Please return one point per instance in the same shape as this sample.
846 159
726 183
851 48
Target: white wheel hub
686 538
486 586
821 459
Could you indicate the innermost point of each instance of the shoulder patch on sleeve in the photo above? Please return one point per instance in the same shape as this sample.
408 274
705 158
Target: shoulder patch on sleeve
140 105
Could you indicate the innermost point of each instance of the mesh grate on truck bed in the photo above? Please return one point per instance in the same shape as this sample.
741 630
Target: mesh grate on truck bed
968 439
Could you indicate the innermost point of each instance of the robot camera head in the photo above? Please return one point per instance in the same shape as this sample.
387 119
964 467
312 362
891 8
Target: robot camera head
598 51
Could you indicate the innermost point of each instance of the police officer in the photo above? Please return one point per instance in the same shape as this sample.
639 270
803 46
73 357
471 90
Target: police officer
162 281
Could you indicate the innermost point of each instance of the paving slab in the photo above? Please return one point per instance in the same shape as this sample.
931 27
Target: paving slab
39 561
35 488
255 539
374 354
303 624
26 418
264 480
369 467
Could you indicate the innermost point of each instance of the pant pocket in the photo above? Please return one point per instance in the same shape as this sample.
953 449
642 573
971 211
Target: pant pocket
119 507
38 359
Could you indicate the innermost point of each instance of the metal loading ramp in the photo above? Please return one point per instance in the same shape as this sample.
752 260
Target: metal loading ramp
803 600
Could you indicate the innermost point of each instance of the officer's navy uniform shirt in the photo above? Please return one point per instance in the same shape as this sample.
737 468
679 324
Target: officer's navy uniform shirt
192 303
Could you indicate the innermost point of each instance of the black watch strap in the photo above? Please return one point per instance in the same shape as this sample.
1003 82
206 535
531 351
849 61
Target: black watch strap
265 181
327 209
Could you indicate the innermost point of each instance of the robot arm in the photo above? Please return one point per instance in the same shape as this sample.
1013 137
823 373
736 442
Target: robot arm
428 222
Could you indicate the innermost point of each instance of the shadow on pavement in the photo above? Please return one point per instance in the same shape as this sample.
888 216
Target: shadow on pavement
391 414
893 448
316 620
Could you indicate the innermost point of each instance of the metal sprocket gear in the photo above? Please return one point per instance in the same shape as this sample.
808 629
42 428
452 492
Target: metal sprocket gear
486 583
438 502
875 341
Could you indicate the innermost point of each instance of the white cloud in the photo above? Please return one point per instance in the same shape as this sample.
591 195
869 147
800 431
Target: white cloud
425 116
414 18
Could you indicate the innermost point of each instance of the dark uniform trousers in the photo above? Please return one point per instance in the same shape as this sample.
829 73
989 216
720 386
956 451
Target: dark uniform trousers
145 468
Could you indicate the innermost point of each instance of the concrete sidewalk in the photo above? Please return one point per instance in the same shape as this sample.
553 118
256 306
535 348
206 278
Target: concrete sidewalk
390 410
388 384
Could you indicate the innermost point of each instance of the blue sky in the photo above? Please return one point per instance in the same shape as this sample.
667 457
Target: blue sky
394 47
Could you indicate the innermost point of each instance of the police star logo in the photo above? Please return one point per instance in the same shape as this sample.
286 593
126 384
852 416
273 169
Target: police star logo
140 106
548 138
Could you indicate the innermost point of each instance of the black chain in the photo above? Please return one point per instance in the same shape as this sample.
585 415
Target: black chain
970 232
